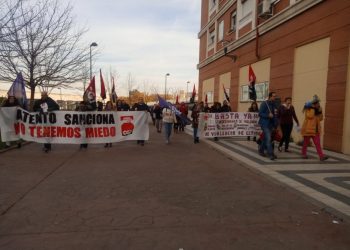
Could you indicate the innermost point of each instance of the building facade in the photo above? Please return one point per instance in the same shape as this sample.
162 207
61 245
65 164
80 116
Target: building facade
297 48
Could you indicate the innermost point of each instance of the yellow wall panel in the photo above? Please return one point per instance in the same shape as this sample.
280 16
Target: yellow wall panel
208 86
310 76
225 80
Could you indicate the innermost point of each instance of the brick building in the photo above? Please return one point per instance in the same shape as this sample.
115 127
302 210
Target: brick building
296 48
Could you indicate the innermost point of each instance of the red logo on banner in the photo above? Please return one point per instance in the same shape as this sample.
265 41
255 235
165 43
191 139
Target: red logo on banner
127 126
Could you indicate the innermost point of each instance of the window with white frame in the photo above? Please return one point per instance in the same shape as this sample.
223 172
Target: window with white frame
228 93
212 4
233 25
211 38
221 31
245 12
261 89
210 97
246 7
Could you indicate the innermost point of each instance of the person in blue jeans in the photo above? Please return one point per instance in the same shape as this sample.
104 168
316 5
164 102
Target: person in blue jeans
169 119
268 122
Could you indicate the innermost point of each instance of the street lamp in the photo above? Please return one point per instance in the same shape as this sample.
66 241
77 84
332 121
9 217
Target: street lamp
187 91
91 45
166 75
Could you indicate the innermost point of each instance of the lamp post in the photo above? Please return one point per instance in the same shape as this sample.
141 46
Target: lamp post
91 45
187 91
166 76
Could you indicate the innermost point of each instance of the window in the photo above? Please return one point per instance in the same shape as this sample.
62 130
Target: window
210 97
233 21
211 38
228 93
247 7
212 4
221 31
245 12
261 89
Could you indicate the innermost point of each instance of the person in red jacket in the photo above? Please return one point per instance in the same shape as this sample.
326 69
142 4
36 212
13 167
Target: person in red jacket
184 113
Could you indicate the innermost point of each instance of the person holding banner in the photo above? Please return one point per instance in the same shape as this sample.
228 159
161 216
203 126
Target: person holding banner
44 106
225 107
197 109
268 122
109 107
216 108
83 107
11 101
255 109
140 106
169 118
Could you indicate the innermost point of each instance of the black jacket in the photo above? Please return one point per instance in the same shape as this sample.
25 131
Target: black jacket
8 104
140 107
51 104
225 108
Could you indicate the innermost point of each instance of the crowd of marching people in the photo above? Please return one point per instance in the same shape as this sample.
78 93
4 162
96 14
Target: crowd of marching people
276 122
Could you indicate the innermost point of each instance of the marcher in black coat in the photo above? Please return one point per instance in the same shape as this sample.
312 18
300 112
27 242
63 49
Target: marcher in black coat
140 106
225 107
45 105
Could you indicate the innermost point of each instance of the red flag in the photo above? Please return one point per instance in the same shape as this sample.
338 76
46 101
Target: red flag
206 99
177 99
226 95
251 87
252 77
90 92
193 94
103 89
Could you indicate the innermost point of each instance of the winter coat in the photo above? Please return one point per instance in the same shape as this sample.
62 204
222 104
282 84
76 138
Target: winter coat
51 104
140 107
264 120
158 111
195 118
8 104
225 108
286 115
312 123
169 116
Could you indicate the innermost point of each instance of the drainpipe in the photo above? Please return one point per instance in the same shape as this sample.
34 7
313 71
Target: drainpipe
257 31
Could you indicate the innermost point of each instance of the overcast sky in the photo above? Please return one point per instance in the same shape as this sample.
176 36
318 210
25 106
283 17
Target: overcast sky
147 38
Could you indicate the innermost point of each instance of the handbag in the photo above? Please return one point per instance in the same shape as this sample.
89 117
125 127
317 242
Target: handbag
276 135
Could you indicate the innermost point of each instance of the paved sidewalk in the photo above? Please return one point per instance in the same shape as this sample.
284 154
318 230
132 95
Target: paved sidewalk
326 183
181 195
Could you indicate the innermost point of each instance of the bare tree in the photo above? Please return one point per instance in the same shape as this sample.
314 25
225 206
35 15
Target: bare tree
47 49
154 89
130 81
113 73
7 13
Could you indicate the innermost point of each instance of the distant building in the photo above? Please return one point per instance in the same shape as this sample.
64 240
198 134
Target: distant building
64 100
296 48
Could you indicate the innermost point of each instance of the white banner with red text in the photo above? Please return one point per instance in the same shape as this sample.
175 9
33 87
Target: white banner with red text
228 124
72 127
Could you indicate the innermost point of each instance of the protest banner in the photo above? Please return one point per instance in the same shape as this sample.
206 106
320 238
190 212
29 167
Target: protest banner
71 127
228 124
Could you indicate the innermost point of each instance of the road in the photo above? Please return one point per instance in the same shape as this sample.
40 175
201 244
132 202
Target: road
177 196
